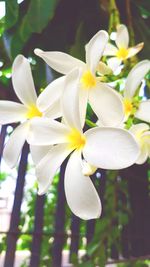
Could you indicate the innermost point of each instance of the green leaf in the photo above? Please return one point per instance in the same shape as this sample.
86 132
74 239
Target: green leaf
11 17
40 12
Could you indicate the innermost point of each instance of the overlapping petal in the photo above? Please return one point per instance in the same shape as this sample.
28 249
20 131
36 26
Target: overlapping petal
143 155
110 148
114 63
107 105
59 61
54 111
70 100
15 143
95 49
135 77
137 129
83 101
143 112
44 131
23 82
39 152
132 51
110 50
11 112
51 94
47 167
81 195
122 37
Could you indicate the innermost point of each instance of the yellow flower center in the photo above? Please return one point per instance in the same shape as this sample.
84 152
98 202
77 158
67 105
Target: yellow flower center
76 139
33 111
88 80
128 106
122 53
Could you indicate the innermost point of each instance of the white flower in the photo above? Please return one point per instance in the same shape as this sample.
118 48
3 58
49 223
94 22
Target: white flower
140 109
11 112
92 88
106 147
122 51
141 132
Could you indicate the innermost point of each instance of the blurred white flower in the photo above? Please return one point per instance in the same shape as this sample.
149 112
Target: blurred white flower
141 132
121 51
132 105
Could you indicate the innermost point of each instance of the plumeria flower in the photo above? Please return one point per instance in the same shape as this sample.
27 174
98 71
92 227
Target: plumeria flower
121 51
11 112
92 88
132 105
141 132
106 147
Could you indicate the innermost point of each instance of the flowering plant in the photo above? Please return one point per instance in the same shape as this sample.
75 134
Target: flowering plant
55 123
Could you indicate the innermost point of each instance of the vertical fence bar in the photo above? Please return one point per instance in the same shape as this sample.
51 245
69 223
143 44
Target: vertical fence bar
13 233
140 206
60 221
37 234
75 230
125 241
2 139
140 202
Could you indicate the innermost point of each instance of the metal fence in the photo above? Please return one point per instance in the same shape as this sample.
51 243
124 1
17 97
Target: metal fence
135 235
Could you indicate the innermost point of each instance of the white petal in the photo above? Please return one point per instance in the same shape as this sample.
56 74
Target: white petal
137 129
22 81
95 49
110 50
107 105
70 100
11 112
135 77
47 167
83 100
122 37
39 152
110 148
55 111
51 94
143 155
103 69
81 195
135 49
15 143
44 131
114 63
60 61
143 112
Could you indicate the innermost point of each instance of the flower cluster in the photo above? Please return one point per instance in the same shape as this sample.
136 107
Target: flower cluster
54 122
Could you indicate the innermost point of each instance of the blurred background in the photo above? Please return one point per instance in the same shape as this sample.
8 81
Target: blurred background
41 231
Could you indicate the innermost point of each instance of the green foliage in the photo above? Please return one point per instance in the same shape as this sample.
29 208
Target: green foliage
39 13
12 11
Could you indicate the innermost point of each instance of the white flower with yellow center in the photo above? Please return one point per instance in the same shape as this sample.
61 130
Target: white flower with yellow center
11 112
141 132
133 106
92 88
121 51
106 147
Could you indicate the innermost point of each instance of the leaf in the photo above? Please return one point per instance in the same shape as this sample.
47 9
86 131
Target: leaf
11 16
39 13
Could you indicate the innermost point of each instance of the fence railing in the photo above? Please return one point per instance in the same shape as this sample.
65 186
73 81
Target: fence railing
135 235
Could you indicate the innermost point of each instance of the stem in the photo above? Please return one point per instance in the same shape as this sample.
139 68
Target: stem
129 21
90 123
114 16
134 59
